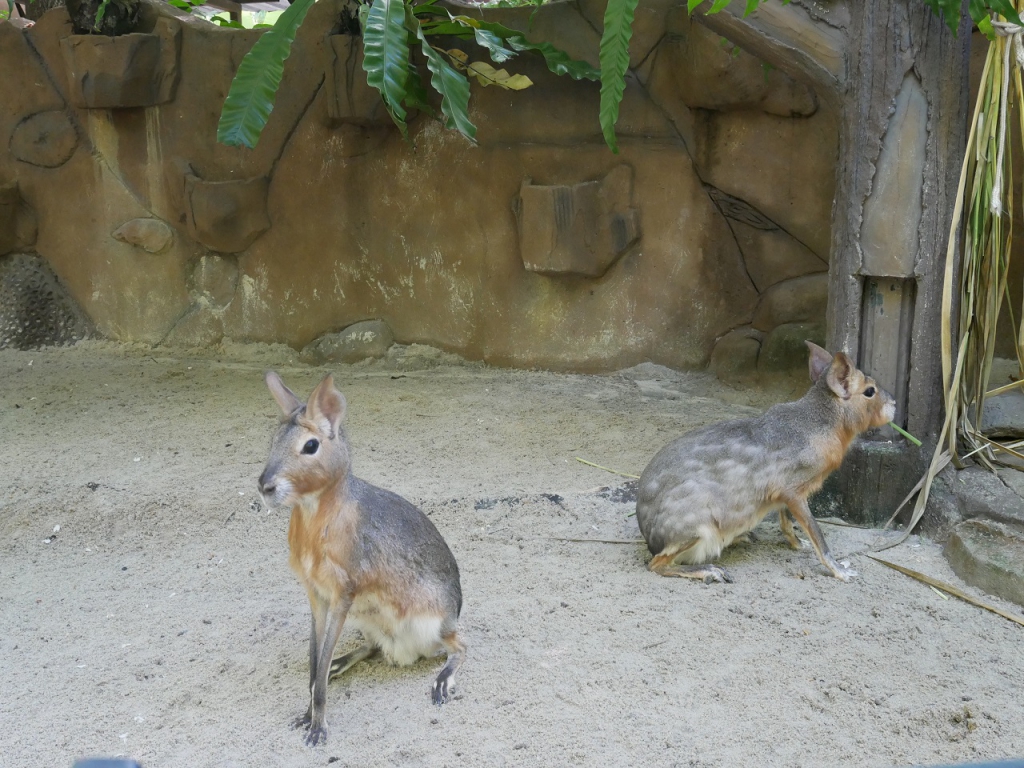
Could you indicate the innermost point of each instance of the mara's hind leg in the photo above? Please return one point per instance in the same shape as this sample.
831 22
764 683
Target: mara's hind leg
786 524
344 663
445 682
665 564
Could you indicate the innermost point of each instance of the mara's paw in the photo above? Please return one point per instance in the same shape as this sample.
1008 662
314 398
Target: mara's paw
316 735
716 574
443 688
841 571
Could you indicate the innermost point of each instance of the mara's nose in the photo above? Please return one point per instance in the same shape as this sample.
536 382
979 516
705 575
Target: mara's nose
265 484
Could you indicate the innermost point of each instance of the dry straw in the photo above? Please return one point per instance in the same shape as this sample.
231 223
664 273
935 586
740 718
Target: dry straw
986 190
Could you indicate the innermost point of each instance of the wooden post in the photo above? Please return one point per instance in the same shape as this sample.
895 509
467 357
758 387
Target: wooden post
902 89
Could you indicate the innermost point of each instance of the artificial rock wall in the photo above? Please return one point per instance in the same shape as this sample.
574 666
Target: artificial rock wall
705 239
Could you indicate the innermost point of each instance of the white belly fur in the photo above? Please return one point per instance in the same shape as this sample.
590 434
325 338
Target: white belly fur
402 639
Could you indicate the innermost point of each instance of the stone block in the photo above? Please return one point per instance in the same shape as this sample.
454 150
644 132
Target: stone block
1003 416
734 358
784 350
798 300
990 556
149 234
360 341
46 139
216 279
134 70
580 229
226 216
984 494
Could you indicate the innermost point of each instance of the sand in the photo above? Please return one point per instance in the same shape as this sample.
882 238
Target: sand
161 621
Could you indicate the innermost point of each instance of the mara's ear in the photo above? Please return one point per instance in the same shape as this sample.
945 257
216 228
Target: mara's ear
287 401
819 361
327 406
839 375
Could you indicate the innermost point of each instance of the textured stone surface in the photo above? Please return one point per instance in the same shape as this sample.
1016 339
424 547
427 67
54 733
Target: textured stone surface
200 327
350 99
712 73
580 229
990 556
734 359
1004 415
784 168
892 215
216 279
772 256
17 220
135 70
799 300
984 494
35 309
784 350
47 139
360 341
227 216
152 235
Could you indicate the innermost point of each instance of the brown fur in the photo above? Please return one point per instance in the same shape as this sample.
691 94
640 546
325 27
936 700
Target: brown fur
708 488
362 553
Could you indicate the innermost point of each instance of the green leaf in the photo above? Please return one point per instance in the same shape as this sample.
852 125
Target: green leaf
101 12
717 6
416 95
487 39
386 56
557 61
949 11
451 84
618 29
1005 8
251 97
751 7
691 4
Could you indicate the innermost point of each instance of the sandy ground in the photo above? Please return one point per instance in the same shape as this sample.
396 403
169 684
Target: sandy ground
162 622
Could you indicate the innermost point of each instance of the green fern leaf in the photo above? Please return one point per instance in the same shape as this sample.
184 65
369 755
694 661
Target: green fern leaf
386 56
250 99
618 29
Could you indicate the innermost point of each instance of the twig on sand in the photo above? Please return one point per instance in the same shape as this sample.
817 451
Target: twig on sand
607 469
950 589
597 541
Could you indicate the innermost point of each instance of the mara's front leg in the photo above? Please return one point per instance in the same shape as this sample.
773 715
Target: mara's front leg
318 608
334 620
802 513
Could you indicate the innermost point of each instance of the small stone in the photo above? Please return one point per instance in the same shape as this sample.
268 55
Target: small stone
799 300
784 350
734 358
367 339
152 235
46 139
990 556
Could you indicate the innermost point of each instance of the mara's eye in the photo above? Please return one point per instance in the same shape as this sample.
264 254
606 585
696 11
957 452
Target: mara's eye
869 392
310 447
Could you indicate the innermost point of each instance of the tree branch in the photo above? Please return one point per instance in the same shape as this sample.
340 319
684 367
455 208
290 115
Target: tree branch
807 44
